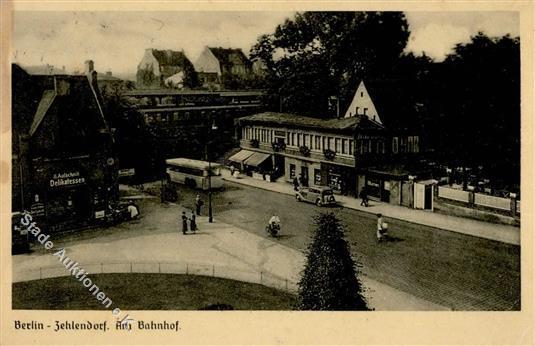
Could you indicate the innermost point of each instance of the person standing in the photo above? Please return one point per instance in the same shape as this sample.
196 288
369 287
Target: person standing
198 204
192 223
364 196
184 223
381 228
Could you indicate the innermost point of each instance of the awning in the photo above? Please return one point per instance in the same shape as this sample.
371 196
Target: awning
257 159
241 156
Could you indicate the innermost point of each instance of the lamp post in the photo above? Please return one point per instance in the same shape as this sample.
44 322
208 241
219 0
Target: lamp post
210 217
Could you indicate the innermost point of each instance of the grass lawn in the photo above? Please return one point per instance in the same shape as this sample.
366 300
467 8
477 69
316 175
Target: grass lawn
148 292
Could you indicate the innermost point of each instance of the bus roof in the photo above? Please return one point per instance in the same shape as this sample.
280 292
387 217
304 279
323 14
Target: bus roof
183 162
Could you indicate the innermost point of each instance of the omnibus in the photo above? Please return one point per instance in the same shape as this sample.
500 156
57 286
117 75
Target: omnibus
194 173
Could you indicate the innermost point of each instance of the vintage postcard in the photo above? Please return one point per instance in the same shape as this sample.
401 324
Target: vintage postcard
267 172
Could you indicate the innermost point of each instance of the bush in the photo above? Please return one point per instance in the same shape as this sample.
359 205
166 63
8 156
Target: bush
330 280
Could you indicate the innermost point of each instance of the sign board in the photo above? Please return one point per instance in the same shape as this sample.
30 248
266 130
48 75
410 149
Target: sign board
99 214
66 179
127 172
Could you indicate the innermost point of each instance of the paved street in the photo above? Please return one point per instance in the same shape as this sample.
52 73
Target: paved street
454 270
449 269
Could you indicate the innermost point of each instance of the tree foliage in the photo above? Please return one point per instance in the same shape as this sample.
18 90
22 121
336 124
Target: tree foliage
318 54
475 104
330 280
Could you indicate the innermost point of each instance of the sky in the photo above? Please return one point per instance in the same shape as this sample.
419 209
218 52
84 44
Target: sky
116 41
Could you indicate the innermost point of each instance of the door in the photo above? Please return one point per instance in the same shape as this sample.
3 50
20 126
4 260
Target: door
419 196
429 197
304 175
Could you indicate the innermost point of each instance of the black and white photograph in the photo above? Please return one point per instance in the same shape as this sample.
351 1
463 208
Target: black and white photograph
274 160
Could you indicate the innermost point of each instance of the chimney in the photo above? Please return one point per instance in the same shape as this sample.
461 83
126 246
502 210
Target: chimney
90 72
89 66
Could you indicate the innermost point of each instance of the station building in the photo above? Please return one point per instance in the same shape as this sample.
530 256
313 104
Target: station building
345 153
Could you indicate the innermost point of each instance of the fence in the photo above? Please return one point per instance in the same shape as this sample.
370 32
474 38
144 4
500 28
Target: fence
454 194
492 201
188 268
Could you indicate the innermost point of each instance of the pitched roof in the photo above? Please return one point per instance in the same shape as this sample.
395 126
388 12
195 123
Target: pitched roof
395 110
170 57
46 101
230 56
298 121
45 70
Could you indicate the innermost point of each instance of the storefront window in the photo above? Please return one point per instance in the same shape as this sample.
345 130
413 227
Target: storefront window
335 181
292 171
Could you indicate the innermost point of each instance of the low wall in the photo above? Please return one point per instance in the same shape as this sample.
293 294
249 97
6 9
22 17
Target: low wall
492 201
454 194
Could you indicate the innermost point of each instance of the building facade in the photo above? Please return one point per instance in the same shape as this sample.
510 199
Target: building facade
345 154
64 164
214 63
165 68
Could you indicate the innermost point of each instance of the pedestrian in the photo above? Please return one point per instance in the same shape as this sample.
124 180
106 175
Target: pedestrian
232 169
184 223
192 223
198 204
364 196
296 184
133 210
382 228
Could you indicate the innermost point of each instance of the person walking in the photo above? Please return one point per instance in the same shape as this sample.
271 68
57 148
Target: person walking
184 223
296 184
364 196
192 223
382 228
198 204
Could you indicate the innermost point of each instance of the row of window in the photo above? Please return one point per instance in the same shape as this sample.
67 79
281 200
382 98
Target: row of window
340 145
344 146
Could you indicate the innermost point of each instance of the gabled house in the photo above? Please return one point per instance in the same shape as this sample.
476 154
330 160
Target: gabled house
64 162
157 66
215 63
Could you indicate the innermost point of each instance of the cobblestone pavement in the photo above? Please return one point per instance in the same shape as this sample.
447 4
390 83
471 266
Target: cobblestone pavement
455 270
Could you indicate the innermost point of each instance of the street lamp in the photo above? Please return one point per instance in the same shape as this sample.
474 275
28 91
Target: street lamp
210 217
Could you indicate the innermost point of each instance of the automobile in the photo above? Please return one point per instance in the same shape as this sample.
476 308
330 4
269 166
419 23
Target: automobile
318 195
20 239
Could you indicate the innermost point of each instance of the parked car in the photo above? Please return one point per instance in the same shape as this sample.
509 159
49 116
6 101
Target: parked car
318 195
20 239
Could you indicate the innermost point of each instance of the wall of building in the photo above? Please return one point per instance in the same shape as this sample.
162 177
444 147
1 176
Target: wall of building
207 62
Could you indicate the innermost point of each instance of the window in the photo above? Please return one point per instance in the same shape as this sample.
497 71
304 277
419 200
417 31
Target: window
338 145
175 116
351 144
411 147
299 139
293 138
324 142
305 140
318 142
292 171
361 94
288 138
331 143
395 145
344 146
416 144
365 110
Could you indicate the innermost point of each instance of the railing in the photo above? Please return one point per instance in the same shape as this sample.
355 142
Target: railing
186 268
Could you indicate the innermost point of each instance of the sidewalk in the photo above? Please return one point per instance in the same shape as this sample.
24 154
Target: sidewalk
501 233
216 244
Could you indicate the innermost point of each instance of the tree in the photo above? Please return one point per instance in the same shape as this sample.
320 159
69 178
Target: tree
330 280
478 106
319 54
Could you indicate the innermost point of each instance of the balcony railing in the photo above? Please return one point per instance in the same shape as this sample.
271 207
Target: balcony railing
291 151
